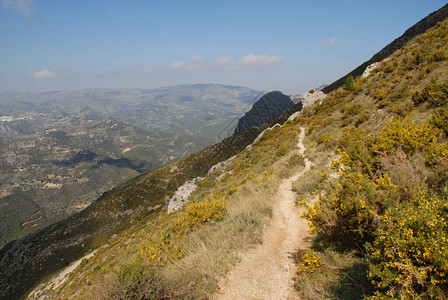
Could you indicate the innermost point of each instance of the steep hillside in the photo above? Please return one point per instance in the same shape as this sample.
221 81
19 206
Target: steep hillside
379 220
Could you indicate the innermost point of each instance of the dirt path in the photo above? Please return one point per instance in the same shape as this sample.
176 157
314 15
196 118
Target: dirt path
266 272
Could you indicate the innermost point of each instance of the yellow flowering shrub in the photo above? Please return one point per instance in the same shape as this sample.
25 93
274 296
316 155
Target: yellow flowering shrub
348 210
440 119
409 136
196 214
409 256
159 248
436 95
310 262
400 225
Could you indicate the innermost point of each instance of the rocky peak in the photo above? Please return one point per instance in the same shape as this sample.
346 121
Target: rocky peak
270 105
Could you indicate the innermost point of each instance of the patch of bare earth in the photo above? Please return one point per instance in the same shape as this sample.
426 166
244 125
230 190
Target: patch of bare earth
267 271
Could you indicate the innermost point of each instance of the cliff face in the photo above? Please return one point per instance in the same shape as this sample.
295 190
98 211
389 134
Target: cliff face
418 28
270 105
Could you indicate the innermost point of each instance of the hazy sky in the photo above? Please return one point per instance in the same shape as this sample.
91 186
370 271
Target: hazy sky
266 45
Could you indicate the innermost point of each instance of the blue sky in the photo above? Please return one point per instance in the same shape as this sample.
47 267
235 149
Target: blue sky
266 45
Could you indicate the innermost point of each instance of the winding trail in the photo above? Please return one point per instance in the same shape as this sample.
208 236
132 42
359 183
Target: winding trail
266 271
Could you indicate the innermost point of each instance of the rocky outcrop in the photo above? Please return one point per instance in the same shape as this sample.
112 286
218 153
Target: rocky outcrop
296 98
270 105
418 28
311 97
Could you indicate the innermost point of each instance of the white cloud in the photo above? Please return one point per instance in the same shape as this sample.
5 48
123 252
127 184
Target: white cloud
178 65
224 63
198 59
260 60
153 69
228 63
25 8
43 74
330 42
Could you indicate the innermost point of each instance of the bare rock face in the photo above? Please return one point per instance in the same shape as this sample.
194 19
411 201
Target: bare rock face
370 69
311 97
270 105
296 98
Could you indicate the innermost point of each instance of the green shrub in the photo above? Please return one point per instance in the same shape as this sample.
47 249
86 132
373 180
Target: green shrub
362 117
345 121
296 160
348 84
438 55
354 109
389 67
282 151
402 108
382 104
440 119
423 53
134 281
379 94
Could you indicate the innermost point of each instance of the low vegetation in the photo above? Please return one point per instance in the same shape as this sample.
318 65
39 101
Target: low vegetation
183 254
379 221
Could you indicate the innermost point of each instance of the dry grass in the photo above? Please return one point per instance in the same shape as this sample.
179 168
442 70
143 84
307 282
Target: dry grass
341 276
249 184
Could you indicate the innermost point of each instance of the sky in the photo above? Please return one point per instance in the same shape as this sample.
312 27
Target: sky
290 46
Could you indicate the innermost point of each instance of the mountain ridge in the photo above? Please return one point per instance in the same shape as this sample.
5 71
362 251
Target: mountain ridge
419 28
268 106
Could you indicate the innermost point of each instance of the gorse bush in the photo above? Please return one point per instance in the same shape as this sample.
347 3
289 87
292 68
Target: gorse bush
440 119
197 214
383 204
310 261
436 95
387 201
409 136
161 246
409 256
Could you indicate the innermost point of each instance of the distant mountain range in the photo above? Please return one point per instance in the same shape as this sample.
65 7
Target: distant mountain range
60 150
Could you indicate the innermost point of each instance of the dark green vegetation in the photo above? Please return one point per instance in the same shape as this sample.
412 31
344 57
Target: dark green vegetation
380 221
60 151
